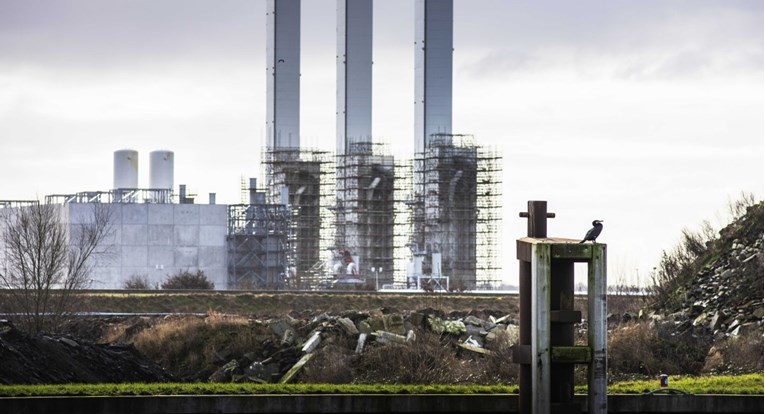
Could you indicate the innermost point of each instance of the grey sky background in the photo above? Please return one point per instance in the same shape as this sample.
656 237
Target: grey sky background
646 114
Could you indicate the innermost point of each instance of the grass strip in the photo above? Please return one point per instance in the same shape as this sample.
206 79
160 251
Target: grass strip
749 384
746 384
242 389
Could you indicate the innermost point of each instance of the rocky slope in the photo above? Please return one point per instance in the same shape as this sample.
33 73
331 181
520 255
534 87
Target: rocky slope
725 297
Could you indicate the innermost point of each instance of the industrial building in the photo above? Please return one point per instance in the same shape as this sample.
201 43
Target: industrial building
356 217
153 233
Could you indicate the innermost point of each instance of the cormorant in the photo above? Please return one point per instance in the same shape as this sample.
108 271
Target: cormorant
594 232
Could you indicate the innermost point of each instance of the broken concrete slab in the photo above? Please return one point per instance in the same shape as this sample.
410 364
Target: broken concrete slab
312 342
348 326
288 338
364 327
503 319
361 342
513 333
473 348
279 326
376 323
394 323
295 368
473 320
389 337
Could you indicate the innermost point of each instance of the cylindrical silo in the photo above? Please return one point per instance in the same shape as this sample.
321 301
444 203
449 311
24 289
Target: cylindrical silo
125 169
161 169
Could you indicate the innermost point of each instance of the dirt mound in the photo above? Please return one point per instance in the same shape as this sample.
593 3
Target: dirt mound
56 359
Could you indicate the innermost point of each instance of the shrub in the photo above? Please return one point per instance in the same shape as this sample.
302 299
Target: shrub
498 367
737 354
190 347
427 360
679 266
330 365
137 282
188 280
630 349
642 348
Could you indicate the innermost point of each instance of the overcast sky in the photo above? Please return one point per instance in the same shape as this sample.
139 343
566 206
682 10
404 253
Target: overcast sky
646 114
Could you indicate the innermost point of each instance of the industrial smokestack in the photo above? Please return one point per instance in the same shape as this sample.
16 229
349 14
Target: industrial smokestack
283 79
354 75
434 33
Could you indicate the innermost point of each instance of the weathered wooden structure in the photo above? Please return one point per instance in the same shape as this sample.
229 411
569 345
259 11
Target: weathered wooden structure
546 350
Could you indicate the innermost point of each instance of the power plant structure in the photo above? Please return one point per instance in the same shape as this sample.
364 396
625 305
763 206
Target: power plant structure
353 218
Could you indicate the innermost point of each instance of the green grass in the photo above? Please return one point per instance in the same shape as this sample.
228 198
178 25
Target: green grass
719 384
240 389
741 384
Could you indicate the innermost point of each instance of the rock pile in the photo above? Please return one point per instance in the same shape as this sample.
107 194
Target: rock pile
725 298
721 300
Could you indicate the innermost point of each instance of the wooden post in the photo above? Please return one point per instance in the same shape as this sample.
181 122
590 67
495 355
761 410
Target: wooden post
540 333
596 330
536 226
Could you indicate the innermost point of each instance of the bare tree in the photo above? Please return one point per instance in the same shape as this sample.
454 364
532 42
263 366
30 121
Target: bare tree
46 262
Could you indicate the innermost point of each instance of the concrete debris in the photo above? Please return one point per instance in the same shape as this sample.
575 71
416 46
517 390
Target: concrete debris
394 323
288 339
225 373
473 348
361 342
384 337
312 343
348 326
364 327
285 344
295 369
471 341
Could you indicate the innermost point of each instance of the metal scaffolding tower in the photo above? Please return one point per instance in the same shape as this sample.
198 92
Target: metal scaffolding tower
258 241
456 210
370 194
302 179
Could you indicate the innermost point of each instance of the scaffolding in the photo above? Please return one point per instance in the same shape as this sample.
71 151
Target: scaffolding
302 180
257 245
455 211
370 188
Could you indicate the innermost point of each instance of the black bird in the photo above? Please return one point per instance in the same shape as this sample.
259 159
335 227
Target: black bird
594 232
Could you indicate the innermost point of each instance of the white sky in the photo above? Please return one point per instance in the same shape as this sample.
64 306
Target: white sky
646 114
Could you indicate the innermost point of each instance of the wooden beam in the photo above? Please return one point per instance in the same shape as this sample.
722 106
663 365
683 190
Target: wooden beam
540 333
597 311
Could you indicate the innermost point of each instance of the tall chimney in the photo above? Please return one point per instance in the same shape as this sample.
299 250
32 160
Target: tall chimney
283 74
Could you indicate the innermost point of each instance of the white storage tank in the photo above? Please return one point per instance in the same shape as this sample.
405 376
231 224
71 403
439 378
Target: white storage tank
161 169
125 169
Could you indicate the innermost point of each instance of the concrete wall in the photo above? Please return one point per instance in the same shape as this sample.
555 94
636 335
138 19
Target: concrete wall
158 240
343 403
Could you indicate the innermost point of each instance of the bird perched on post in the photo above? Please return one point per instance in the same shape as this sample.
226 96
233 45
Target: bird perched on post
594 232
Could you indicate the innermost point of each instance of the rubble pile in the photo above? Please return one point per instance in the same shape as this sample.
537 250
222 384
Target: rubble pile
725 298
300 340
